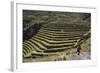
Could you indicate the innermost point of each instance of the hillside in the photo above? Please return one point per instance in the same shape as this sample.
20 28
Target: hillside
51 36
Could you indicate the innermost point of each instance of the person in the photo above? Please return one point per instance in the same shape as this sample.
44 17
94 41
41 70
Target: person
78 49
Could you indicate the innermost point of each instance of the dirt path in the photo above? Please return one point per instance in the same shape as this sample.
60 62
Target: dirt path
82 56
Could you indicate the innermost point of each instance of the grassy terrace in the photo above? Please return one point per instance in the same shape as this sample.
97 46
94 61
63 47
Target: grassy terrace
55 35
51 41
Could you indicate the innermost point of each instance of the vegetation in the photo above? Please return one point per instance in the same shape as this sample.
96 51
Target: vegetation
51 36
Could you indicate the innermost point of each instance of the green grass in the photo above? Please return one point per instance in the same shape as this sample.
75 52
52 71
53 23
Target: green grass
86 46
